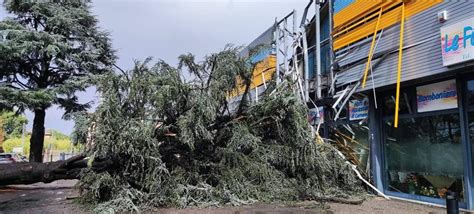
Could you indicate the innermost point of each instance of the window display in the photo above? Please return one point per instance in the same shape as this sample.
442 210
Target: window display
424 155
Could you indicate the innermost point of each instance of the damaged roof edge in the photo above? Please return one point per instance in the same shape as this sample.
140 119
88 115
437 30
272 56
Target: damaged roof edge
265 38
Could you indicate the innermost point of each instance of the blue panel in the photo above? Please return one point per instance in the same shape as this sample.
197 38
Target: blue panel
341 4
261 55
325 59
324 28
311 64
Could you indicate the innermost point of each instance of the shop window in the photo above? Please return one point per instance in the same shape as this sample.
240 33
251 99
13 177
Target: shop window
424 155
470 93
353 139
344 112
471 132
352 133
470 119
405 105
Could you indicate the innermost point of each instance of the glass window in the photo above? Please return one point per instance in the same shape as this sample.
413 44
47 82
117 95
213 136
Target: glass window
470 102
405 107
470 93
471 135
343 114
325 59
311 65
424 155
354 140
324 28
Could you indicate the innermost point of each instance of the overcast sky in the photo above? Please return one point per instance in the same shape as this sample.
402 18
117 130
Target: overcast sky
167 28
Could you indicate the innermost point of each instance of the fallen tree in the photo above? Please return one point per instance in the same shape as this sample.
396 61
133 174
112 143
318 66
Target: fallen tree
182 143
157 140
28 173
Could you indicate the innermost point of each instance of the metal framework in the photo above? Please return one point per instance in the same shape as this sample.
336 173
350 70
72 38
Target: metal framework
290 42
283 38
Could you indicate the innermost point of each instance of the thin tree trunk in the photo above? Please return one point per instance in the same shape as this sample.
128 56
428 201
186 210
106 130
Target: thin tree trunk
37 136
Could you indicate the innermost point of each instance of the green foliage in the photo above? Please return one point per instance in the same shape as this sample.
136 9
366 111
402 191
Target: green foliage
49 51
59 142
12 123
178 144
58 135
11 143
48 48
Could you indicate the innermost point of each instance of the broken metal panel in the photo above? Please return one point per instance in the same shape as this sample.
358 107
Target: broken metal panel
264 59
266 38
349 95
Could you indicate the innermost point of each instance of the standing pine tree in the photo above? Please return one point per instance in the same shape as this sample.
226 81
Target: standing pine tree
46 49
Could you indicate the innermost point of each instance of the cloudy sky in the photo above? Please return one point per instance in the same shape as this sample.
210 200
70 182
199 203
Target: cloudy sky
167 28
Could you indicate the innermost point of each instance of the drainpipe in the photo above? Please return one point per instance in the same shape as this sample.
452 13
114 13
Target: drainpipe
318 48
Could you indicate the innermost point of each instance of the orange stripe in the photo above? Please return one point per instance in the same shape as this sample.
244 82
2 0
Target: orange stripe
388 19
265 68
359 8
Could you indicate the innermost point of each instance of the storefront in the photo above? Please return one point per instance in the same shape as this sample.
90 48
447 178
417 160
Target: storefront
431 151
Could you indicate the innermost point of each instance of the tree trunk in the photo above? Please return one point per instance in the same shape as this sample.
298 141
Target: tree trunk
28 173
37 136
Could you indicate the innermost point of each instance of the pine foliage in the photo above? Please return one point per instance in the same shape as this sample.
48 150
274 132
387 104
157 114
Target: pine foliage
177 143
47 49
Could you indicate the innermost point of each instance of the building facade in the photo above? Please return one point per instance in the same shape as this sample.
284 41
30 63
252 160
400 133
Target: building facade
431 150
391 83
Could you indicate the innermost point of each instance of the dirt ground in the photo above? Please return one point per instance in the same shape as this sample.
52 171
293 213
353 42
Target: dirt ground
57 197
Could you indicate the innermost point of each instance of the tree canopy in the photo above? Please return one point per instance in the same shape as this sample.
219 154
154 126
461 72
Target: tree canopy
177 143
47 52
